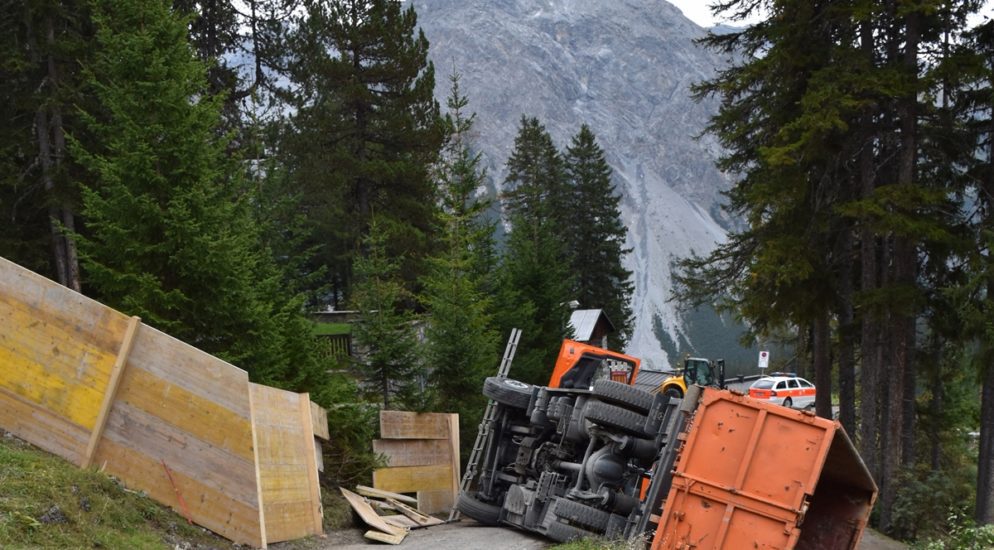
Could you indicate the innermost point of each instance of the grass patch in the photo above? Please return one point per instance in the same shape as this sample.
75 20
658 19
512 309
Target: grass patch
601 544
332 329
45 502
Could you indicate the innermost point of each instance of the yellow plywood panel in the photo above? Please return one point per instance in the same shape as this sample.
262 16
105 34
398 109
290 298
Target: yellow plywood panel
193 370
319 419
60 367
285 456
410 425
41 427
214 509
414 452
213 466
409 479
187 411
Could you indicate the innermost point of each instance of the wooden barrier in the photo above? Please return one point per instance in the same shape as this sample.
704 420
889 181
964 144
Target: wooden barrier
87 383
422 452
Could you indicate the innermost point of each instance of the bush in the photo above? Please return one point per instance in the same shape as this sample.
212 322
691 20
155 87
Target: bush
962 535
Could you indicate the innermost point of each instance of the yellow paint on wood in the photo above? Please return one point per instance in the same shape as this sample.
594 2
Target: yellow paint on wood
57 368
408 479
187 411
111 392
41 427
410 425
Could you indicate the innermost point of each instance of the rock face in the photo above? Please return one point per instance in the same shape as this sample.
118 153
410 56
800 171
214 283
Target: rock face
624 67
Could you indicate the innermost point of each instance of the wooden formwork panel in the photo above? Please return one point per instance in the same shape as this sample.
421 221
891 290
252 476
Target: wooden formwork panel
422 454
287 466
182 409
57 347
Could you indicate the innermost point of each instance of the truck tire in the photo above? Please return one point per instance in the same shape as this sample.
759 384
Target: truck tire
581 515
624 395
487 514
508 392
620 419
560 532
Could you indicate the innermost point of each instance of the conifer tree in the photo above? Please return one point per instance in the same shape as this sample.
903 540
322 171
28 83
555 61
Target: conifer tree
596 235
460 334
170 236
386 349
535 275
366 129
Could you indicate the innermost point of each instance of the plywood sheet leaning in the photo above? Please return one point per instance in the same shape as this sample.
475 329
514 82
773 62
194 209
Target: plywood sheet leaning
181 407
386 532
422 453
287 470
57 351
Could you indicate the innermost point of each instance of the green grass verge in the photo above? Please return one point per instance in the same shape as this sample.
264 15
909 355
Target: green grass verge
332 329
45 502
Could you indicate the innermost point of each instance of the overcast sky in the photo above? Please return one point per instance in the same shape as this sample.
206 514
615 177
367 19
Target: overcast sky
698 12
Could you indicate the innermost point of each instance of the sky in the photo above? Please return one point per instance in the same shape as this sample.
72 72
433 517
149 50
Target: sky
698 12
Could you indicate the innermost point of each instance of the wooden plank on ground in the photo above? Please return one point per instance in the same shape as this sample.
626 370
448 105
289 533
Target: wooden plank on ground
409 479
383 537
369 516
380 493
319 418
410 425
402 521
414 452
436 502
423 520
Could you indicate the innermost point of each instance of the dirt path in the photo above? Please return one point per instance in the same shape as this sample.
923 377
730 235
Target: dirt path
469 534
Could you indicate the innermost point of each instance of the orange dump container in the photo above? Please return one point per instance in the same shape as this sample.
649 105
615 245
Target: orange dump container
756 475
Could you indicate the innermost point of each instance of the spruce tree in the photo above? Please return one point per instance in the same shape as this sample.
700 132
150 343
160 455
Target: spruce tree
460 334
170 236
596 235
386 357
366 129
535 274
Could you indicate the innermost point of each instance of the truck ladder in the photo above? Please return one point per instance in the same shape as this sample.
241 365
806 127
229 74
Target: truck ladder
486 423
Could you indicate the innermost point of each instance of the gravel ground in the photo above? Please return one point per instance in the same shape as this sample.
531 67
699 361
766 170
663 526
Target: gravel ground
468 534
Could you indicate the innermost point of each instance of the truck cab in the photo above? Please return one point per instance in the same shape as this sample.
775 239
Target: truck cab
696 371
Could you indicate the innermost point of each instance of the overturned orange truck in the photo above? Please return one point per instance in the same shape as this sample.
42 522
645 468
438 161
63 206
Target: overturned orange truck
590 455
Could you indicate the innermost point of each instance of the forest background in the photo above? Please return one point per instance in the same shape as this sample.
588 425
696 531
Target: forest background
146 163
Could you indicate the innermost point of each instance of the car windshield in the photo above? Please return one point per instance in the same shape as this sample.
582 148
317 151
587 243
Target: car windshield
763 384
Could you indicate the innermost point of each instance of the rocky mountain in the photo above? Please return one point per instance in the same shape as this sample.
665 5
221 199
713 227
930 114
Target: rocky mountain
624 67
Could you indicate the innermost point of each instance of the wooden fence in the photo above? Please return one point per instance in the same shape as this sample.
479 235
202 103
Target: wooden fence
98 388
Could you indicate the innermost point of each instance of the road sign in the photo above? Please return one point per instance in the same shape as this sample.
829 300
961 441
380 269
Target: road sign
764 359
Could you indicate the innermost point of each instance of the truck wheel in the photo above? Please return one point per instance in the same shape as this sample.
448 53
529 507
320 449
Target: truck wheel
581 515
487 514
560 532
673 392
508 392
620 419
624 395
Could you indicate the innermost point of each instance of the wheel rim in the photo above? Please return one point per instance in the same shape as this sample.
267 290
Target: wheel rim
515 384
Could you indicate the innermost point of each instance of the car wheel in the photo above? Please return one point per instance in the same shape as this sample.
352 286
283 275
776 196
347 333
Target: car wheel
560 532
620 419
487 514
581 515
508 392
624 395
788 402
673 392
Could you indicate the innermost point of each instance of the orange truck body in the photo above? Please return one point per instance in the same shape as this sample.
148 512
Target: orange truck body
624 368
753 475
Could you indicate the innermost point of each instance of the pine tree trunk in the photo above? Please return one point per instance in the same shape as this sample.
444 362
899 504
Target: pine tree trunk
869 412
847 371
904 278
935 411
822 358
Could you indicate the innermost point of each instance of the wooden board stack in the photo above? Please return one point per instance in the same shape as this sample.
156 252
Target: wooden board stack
387 514
422 455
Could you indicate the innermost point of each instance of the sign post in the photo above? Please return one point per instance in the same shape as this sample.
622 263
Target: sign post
764 361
